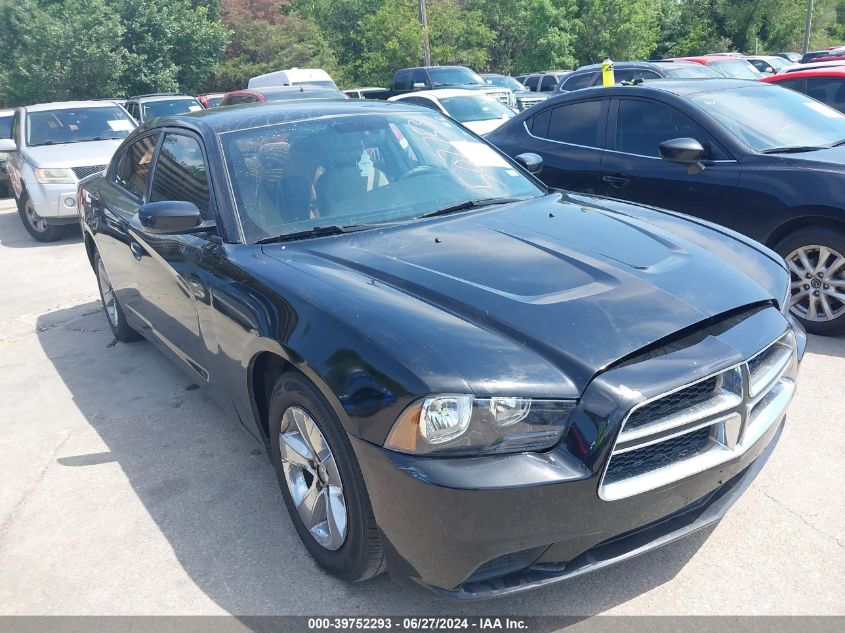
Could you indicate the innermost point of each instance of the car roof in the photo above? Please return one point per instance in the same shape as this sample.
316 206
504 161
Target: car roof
440 93
9 112
678 87
829 71
639 64
237 117
152 98
67 105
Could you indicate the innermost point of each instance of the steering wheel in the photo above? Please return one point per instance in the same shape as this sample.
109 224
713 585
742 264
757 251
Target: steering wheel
419 170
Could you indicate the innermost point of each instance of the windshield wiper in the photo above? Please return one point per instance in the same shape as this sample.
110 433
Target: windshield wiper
794 150
838 143
314 231
469 204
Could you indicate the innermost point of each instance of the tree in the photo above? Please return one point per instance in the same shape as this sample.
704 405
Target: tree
620 29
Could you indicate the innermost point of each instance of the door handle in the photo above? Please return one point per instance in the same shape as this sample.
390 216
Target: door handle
617 181
137 250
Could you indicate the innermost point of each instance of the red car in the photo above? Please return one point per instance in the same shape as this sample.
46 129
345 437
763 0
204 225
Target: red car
727 65
280 93
211 99
822 84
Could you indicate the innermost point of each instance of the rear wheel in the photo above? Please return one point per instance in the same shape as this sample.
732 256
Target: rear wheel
816 259
321 482
114 313
35 224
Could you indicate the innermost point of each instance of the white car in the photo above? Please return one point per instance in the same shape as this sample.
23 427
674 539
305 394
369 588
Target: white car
479 112
53 147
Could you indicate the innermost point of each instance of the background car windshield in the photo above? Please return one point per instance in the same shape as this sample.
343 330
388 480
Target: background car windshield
166 107
6 126
466 109
77 125
736 69
506 82
360 169
213 102
286 94
767 119
692 72
444 76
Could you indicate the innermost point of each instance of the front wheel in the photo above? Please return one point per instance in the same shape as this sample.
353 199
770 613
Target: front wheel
35 225
114 312
321 482
816 259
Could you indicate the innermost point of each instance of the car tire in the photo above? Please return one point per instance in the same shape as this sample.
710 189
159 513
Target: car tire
111 306
35 225
357 554
818 295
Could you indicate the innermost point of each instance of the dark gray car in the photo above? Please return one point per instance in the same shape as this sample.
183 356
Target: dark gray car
588 76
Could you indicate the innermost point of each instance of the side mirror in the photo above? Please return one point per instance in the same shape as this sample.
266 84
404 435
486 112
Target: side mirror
8 145
686 151
532 162
172 217
419 86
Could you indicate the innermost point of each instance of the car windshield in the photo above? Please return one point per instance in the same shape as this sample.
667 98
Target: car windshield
213 102
362 169
768 119
446 76
735 69
500 81
166 107
475 108
77 125
324 84
5 126
692 72
777 62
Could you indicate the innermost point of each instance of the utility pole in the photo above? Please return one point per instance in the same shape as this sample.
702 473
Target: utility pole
426 45
808 25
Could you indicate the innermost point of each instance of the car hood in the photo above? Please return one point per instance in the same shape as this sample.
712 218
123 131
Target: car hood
72 154
562 282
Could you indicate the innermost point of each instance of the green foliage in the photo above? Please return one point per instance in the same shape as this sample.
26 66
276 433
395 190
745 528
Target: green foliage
258 47
619 29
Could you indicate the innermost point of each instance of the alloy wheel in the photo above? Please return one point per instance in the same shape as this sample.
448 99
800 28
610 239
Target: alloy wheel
37 223
818 283
109 300
312 478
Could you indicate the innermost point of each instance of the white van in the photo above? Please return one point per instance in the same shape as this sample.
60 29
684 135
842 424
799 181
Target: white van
293 77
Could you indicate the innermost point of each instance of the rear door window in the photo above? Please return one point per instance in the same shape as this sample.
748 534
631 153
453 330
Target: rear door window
576 123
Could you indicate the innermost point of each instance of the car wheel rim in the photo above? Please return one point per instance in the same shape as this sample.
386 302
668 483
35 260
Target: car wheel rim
109 300
38 223
818 283
312 478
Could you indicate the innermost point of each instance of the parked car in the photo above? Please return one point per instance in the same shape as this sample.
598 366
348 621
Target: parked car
767 162
523 98
294 77
768 64
367 93
5 132
726 65
814 56
812 66
792 58
211 99
546 81
437 77
479 112
53 146
478 384
590 75
280 93
822 84
144 108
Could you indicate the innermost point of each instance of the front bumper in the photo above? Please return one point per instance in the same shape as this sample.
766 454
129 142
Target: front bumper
54 203
471 528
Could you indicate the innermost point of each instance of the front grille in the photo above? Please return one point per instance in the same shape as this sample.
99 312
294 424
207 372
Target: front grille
687 397
82 172
501 95
701 425
654 456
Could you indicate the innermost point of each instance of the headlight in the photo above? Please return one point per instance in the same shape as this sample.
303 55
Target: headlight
786 302
458 424
55 176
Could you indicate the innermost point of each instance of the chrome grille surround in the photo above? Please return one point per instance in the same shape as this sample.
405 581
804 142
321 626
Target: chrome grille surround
745 401
82 172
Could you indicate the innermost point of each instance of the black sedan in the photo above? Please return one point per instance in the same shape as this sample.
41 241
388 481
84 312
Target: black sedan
764 161
459 376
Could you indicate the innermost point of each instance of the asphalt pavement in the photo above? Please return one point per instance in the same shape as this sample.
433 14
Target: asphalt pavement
125 490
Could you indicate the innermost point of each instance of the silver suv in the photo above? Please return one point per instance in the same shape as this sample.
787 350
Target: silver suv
5 132
53 146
